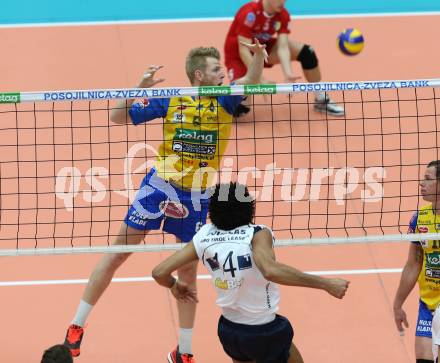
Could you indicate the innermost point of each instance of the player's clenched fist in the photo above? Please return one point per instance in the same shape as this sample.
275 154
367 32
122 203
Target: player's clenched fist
337 287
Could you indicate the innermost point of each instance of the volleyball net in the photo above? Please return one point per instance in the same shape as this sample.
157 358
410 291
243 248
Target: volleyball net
68 174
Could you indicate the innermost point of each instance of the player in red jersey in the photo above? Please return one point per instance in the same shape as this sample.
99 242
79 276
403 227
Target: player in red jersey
268 21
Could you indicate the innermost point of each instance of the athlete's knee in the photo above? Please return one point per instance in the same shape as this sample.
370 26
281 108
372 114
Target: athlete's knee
307 57
424 361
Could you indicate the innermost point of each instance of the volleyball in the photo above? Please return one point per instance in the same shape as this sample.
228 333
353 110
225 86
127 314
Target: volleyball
350 41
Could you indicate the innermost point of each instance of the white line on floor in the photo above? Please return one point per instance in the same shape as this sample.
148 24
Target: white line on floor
199 277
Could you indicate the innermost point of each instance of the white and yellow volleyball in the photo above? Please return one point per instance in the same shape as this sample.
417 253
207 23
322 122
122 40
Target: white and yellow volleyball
350 41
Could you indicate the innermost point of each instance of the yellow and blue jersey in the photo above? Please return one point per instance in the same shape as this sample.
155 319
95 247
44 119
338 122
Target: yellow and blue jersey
426 221
195 135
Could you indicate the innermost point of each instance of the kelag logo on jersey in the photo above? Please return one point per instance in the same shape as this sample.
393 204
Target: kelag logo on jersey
197 142
433 259
433 265
208 137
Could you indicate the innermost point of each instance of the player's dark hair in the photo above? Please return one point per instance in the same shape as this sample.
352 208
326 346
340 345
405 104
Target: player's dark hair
231 206
436 165
196 60
57 354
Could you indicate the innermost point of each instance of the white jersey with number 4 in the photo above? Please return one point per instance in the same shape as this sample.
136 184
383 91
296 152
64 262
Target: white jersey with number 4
244 295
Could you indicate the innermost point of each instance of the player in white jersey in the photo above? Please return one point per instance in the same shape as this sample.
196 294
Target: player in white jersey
240 258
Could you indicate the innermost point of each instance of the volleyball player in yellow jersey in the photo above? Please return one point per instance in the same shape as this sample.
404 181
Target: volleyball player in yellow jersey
172 194
423 266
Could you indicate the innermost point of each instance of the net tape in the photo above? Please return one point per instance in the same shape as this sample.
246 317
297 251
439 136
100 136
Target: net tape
419 237
283 88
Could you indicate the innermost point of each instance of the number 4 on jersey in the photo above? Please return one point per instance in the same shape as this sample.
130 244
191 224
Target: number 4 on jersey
244 262
231 268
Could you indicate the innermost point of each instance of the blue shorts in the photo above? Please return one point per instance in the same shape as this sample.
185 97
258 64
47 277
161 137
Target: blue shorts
182 212
267 343
424 321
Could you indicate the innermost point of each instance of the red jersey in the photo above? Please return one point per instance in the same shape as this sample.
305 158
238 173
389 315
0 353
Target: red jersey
251 21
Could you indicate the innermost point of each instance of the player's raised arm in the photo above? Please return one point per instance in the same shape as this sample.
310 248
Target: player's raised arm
274 271
255 69
120 114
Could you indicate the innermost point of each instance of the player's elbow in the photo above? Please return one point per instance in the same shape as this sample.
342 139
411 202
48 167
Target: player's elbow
158 273
268 271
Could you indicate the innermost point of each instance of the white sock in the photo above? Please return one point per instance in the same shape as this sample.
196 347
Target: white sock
185 340
82 313
320 96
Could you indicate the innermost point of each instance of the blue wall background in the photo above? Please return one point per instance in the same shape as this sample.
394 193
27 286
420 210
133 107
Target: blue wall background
50 11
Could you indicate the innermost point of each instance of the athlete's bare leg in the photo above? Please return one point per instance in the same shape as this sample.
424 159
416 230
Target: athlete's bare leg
107 266
187 311
295 355
423 348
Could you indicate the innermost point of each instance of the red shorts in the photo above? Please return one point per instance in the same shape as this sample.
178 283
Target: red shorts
237 69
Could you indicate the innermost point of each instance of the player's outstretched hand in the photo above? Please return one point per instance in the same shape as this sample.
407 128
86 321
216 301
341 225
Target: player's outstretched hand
183 293
400 320
337 287
257 48
148 78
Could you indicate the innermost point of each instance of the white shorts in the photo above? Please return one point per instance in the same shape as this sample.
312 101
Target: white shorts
435 328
